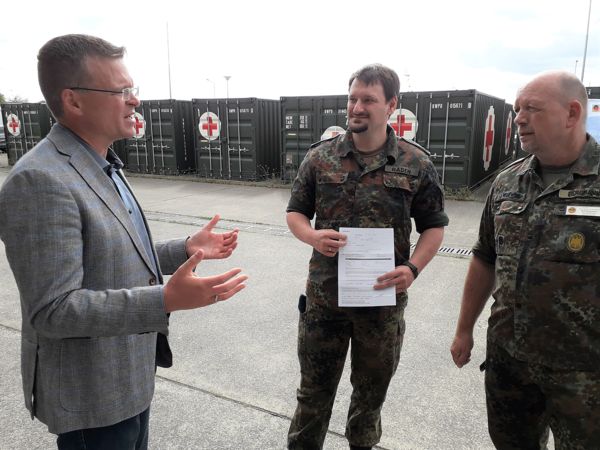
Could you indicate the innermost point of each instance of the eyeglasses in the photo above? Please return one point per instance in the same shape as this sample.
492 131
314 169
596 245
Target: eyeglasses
127 93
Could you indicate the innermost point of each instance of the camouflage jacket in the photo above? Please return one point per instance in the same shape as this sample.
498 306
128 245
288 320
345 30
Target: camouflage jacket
334 183
544 244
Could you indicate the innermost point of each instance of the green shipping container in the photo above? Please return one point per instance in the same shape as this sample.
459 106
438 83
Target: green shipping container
25 124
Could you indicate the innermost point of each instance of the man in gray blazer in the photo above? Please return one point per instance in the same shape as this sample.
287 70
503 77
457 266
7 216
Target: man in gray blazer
95 310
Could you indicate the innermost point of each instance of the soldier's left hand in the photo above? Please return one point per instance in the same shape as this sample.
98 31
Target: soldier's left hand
401 277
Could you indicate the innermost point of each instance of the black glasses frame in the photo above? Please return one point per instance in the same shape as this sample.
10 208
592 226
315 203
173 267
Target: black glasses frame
127 93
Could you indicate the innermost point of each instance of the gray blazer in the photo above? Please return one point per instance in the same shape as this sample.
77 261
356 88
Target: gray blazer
91 303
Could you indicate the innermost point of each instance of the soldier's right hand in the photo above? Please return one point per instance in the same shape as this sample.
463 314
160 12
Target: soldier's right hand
186 290
328 242
461 348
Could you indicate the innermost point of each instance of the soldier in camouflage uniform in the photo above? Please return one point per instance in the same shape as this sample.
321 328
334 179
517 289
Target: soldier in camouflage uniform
538 253
364 178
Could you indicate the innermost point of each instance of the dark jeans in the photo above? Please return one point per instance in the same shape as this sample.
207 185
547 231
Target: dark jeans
130 434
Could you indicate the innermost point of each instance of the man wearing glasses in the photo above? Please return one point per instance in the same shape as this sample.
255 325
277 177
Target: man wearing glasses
95 312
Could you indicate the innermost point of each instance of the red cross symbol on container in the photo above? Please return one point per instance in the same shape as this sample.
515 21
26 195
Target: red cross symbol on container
404 123
140 125
489 138
401 125
508 133
209 126
14 124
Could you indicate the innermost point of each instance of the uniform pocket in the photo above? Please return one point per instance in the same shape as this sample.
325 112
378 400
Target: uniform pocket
332 178
400 191
508 226
395 181
570 239
333 195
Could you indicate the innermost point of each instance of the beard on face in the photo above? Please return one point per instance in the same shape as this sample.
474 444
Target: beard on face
359 128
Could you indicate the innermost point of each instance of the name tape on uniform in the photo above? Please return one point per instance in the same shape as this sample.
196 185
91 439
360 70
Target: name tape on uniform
575 210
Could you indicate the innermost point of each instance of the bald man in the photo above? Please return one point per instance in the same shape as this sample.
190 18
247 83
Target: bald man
538 255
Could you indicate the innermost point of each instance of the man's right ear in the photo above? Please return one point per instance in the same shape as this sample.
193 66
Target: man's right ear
71 102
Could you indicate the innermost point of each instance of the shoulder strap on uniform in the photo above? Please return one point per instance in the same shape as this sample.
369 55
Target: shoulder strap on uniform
316 144
518 161
403 140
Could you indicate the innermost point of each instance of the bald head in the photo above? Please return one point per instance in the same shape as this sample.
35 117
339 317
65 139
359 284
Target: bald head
551 116
562 86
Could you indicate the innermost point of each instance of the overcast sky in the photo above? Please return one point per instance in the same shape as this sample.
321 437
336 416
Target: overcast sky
309 47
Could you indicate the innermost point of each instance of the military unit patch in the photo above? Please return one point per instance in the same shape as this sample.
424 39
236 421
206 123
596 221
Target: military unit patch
576 242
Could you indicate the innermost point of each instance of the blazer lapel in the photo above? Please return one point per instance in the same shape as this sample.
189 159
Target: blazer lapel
98 182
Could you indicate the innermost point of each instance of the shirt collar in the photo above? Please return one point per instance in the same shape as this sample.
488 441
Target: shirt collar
589 160
111 161
345 145
587 163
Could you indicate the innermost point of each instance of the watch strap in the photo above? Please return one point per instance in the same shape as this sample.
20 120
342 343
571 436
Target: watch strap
412 268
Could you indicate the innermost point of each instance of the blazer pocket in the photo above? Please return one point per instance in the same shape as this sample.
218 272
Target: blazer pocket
106 373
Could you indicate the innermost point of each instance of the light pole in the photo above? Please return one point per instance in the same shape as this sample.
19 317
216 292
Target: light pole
227 77
214 87
169 60
587 34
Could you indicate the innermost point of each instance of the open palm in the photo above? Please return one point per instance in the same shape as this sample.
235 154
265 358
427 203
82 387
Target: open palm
214 245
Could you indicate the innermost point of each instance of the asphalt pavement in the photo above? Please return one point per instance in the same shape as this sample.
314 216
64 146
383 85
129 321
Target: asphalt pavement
235 370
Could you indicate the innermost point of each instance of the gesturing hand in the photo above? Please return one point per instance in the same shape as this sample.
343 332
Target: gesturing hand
186 290
214 245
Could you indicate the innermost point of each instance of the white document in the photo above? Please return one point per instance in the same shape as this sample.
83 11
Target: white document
368 254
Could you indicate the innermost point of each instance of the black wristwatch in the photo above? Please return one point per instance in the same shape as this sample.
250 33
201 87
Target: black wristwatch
412 268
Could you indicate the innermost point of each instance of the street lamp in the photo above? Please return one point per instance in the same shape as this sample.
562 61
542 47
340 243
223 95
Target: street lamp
214 87
227 77
169 60
587 34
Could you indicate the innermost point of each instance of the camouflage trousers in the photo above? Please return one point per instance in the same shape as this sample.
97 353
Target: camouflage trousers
324 335
525 400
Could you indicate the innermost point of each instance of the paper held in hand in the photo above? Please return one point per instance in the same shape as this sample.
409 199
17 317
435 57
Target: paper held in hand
368 253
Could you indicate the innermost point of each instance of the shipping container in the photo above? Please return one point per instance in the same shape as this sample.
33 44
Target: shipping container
405 120
120 148
593 116
237 138
593 91
25 124
306 120
519 152
164 139
463 130
510 135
